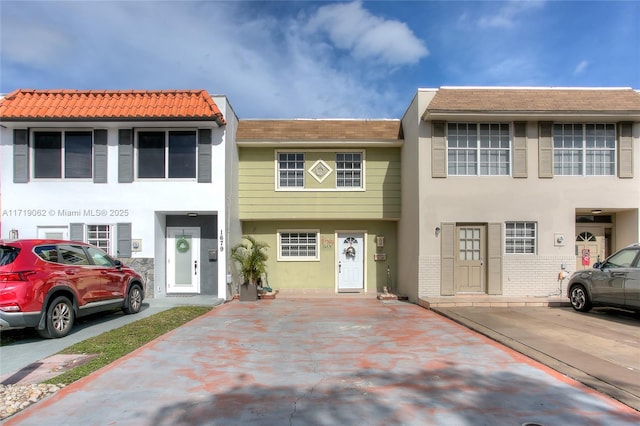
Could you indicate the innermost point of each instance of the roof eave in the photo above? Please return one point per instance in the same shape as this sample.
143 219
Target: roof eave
430 115
254 143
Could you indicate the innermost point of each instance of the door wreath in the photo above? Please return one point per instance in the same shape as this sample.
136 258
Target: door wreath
182 245
350 251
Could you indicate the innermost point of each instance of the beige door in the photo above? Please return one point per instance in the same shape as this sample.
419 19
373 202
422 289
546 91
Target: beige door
469 264
590 246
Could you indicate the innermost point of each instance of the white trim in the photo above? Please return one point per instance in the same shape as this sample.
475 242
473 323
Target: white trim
336 257
281 258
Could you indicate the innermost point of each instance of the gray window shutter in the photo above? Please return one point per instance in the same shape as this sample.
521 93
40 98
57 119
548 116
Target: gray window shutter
494 259
124 239
625 150
100 156
545 150
204 156
447 258
76 231
125 155
20 156
438 150
520 149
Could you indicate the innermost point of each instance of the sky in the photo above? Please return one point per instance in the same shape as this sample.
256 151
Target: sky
317 59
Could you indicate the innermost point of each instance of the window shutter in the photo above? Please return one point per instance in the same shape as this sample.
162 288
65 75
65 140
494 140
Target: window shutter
625 150
124 239
438 151
447 258
76 231
545 150
20 156
494 259
204 156
125 155
100 156
520 149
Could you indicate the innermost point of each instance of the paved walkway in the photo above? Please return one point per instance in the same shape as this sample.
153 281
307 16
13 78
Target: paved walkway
325 362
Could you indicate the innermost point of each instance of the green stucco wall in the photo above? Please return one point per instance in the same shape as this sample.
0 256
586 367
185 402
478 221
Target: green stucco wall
320 275
379 199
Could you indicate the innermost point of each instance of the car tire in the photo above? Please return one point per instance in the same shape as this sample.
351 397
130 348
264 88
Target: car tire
580 298
134 300
60 318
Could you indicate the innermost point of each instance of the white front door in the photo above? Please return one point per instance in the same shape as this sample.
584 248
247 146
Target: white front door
183 260
350 262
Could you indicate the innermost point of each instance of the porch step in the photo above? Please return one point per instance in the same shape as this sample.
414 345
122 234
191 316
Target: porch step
492 301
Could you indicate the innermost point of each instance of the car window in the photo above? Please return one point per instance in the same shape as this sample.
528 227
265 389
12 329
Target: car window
99 258
48 253
73 255
622 259
8 254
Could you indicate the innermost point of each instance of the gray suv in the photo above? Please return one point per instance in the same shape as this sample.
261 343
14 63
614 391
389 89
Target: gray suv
614 282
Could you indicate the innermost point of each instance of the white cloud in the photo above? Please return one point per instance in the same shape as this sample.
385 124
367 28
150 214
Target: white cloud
351 27
581 67
507 16
268 66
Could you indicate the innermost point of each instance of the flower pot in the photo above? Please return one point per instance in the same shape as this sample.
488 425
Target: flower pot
248 292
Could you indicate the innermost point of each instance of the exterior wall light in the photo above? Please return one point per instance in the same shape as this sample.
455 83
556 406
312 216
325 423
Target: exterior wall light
437 231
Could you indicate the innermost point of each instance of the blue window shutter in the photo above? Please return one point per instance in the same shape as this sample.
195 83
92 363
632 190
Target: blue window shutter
76 231
204 156
20 156
125 155
124 239
100 156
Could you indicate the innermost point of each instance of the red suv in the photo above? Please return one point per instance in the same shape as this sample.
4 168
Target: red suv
46 284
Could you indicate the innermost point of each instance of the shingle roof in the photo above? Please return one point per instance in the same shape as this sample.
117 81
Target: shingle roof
49 105
319 130
535 100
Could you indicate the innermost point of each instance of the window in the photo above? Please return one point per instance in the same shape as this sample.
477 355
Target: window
73 255
100 236
520 238
349 170
298 245
67 154
478 149
164 154
99 258
584 149
291 170
623 259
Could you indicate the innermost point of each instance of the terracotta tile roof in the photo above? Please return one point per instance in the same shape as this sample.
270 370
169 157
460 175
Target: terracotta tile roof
50 105
319 130
535 100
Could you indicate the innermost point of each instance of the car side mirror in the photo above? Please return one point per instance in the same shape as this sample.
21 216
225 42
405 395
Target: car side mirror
118 263
597 265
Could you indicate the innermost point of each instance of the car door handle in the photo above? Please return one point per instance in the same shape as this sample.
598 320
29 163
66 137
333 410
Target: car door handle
70 272
618 274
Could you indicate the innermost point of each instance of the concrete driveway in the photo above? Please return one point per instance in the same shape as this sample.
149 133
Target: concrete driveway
349 361
600 348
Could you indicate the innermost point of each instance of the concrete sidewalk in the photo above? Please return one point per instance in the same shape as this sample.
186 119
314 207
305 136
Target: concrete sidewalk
325 362
26 355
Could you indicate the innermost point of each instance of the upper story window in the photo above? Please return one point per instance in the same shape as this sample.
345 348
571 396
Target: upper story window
167 154
290 170
478 149
62 154
584 149
349 170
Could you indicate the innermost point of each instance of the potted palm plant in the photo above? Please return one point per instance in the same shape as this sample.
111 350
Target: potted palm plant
252 258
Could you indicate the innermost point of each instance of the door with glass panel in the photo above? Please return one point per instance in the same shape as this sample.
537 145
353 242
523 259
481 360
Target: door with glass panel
470 261
183 260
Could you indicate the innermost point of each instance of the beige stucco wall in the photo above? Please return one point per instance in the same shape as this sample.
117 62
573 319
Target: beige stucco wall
550 202
320 276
